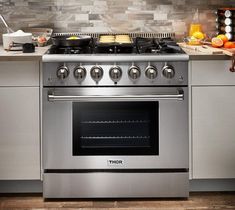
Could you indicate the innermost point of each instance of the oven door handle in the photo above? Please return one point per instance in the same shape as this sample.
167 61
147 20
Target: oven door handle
92 98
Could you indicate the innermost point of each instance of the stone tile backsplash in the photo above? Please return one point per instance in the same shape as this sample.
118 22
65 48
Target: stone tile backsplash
111 15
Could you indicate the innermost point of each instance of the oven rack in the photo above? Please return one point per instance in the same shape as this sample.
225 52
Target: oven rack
115 137
132 35
115 121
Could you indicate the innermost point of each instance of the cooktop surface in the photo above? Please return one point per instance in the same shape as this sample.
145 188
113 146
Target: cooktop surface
138 46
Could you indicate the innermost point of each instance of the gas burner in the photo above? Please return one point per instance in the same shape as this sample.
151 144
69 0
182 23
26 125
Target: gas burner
113 49
157 46
71 50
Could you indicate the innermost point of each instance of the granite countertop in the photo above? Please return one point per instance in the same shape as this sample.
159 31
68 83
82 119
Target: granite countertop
18 55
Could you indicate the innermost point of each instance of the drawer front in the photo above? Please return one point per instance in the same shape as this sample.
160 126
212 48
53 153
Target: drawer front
115 185
212 72
19 73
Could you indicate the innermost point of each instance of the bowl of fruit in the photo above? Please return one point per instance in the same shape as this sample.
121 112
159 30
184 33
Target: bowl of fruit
42 41
40 36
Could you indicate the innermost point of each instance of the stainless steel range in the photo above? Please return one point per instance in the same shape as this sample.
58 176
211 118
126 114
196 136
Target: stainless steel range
115 119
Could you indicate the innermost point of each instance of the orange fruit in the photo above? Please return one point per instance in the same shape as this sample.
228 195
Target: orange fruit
223 38
229 44
217 42
198 35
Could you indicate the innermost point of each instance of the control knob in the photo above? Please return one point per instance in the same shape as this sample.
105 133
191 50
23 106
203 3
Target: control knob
96 73
79 73
134 72
168 71
115 73
62 72
151 72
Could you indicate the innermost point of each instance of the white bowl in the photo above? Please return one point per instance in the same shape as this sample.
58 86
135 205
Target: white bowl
16 37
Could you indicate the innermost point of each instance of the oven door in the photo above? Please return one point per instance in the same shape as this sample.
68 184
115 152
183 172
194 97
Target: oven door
105 128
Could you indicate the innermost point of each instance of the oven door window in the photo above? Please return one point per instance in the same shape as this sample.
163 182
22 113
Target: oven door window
115 128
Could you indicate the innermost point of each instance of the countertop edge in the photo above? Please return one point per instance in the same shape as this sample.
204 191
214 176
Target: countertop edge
19 56
209 57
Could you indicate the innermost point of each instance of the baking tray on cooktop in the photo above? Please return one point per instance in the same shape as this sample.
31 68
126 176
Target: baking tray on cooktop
114 40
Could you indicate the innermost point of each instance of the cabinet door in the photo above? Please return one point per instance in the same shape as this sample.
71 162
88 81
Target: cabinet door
19 133
213 132
212 72
19 73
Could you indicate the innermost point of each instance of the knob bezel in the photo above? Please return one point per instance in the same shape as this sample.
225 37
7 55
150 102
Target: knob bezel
134 67
100 70
151 67
168 74
76 74
62 75
111 76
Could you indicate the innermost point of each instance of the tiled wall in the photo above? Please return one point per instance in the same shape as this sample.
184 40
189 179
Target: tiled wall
111 15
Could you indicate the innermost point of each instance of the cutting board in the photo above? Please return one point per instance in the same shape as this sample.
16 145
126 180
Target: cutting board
208 49
202 48
212 51
226 51
229 52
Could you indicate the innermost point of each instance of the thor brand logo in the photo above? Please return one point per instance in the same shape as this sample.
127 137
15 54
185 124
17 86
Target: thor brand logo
115 162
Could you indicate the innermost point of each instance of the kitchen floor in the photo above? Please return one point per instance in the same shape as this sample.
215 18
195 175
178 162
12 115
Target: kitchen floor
196 201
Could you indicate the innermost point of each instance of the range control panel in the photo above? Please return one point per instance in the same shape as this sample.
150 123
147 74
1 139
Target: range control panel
116 74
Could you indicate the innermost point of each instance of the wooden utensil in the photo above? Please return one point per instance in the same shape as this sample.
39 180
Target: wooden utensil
9 30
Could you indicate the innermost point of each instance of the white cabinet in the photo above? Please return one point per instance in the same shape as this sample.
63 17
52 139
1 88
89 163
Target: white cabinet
212 72
19 121
213 120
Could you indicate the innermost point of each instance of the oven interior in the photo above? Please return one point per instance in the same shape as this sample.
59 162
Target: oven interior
115 128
